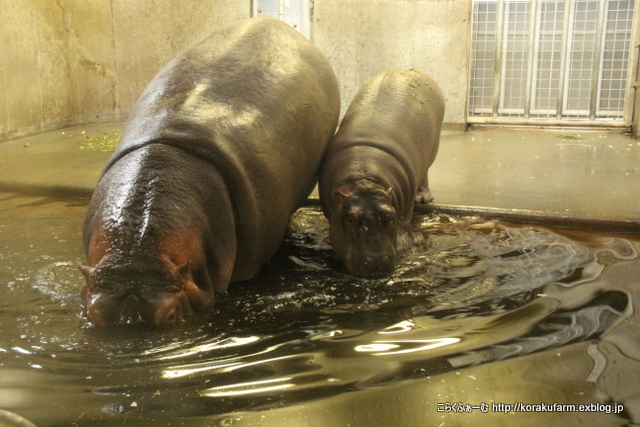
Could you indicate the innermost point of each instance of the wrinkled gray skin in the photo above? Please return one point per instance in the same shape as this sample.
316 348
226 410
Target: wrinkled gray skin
376 167
222 146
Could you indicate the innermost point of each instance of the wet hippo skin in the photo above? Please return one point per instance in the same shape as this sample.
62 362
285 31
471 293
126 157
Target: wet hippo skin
376 167
222 146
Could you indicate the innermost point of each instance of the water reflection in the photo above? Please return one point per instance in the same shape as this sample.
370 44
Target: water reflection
467 292
387 348
566 327
263 386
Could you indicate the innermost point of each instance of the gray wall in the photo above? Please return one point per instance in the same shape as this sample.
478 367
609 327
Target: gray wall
362 38
76 61
69 62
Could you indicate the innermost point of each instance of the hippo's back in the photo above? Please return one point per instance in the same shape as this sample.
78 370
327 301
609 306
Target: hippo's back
259 102
399 111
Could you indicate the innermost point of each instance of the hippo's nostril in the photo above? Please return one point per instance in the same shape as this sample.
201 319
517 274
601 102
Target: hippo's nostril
96 318
167 315
102 310
171 316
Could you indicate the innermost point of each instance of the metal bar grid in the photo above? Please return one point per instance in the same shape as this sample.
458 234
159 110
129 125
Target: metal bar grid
497 67
483 46
532 46
597 62
566 20
633 71
580 68
550 59
615 61
514 65
548 54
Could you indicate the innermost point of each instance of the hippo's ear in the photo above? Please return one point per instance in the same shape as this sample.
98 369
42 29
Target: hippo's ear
86 271
184 270
340 197
389 193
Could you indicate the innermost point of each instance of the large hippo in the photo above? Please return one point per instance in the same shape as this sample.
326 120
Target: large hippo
376 167
222 146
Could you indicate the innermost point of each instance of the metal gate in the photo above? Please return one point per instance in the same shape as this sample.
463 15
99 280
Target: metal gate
551 62
293 12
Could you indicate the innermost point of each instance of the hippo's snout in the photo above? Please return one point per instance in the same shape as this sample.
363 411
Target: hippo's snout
381 263
371 264
131 293
104 309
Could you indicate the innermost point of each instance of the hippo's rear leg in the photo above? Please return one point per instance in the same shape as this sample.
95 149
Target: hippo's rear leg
424 195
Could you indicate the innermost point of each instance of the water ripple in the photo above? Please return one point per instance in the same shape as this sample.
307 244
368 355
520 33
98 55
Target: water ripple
467 291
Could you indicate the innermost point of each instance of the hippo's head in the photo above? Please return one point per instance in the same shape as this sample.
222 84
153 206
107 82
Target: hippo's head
151 292
363 230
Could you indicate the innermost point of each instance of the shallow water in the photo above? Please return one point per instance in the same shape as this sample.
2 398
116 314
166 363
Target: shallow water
478 312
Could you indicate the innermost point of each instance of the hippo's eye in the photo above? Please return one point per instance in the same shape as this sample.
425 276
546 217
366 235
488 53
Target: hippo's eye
351 220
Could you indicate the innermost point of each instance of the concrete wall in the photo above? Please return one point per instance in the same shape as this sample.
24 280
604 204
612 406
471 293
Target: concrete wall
362 38
66 62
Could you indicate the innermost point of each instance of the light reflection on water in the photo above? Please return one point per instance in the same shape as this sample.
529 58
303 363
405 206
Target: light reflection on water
467 292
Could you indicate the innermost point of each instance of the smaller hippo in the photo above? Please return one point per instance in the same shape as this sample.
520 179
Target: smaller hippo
376 165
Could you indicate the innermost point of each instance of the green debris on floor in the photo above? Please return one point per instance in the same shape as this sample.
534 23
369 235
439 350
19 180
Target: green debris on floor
106 143
574 137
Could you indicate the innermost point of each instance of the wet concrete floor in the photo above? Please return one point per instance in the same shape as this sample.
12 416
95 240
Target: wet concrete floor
556 173
562 173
